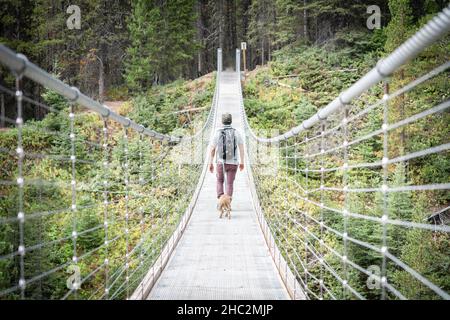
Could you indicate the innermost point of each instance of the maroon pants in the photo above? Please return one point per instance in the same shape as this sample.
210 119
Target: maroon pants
230 171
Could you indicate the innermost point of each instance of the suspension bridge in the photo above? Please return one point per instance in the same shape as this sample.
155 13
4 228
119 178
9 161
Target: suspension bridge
154 232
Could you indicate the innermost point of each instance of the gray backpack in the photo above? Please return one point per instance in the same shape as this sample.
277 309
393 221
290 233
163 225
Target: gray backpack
227 144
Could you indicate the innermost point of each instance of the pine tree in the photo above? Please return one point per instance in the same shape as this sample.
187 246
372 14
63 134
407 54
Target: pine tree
15 31
138 67
91 57
162 42
397 31
290 21
262 27
425 251
399 27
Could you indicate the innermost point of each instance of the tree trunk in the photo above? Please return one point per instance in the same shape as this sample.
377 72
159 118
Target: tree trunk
221 44
2 114
101 81
233 23
402 116
199 65
199 38
305 21
317 29
245 4
37 108
262 52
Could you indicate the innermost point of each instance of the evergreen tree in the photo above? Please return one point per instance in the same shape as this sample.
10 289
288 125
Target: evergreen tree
162 42
290 21
399 27
90 57
138 67
15 29
262 27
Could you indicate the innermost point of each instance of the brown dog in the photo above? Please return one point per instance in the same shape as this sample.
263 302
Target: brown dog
225 206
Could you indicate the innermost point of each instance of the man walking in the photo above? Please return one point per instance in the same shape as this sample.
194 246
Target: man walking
225 144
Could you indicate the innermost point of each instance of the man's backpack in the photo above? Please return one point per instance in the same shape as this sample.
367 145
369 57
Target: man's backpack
227 144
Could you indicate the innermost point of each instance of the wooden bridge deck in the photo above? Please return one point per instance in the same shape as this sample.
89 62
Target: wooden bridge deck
216 258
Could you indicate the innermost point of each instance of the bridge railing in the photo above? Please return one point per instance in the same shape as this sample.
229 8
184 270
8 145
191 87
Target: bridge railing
89 199
359 203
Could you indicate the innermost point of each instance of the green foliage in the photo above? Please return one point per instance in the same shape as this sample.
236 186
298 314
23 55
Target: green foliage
118 93
291 88
55 100
321 73
157 109
50 222
429 254
161 42
398 28
155 39
262 22
290 20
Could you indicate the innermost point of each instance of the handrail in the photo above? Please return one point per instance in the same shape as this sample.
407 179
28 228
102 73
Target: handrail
433 30
144 288
126 184
21 66
317 175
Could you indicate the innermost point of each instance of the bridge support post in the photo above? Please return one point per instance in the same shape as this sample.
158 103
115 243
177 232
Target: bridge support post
238 62
203 148
219 60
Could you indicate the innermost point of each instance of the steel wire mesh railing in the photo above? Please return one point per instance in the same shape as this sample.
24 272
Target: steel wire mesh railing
88 198
350 195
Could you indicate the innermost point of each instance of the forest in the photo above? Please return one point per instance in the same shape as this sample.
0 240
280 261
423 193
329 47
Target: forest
157 59
125 46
